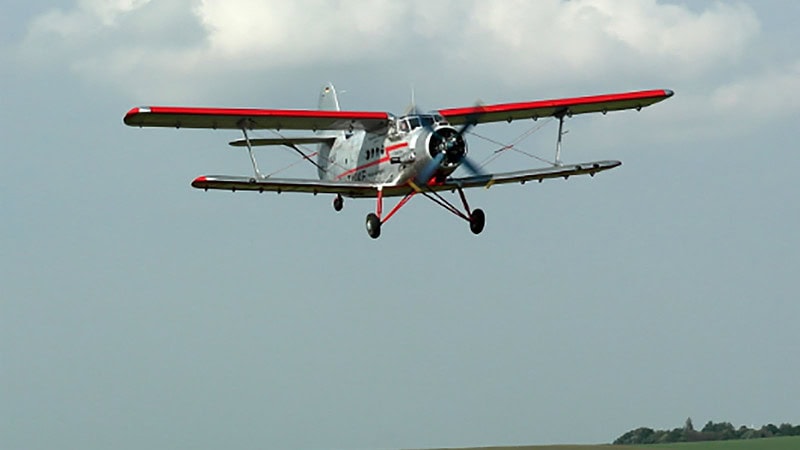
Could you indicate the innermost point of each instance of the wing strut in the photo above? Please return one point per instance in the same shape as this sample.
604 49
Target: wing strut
561 134
250 151
306 157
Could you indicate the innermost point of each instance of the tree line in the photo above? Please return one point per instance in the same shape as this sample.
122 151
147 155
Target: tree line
721 431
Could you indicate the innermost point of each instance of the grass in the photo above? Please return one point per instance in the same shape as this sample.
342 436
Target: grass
780 443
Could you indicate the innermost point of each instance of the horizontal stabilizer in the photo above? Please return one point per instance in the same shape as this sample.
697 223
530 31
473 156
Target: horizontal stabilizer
290 142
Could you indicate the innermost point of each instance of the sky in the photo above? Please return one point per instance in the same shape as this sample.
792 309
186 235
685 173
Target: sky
136 311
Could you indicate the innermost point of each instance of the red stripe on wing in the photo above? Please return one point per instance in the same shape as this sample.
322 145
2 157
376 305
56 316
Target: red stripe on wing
543 108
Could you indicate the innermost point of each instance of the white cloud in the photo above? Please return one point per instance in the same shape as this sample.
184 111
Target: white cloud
590 35
87 18
173 49
776 91
731 105
298 33
553 40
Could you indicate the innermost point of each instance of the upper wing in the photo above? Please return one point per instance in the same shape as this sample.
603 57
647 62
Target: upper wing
239 118
548 108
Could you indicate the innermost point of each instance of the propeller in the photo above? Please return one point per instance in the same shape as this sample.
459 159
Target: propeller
426 173
468 164
447 143
471 166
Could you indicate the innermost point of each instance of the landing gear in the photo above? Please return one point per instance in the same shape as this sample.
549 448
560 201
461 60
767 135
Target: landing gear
338 203
477 220
373 226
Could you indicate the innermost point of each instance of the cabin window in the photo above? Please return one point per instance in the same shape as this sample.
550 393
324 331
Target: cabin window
427 121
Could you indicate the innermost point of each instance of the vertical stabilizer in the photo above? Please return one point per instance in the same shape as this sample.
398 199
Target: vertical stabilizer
328 101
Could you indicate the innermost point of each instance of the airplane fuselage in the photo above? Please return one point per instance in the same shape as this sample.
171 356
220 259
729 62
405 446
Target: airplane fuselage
397 153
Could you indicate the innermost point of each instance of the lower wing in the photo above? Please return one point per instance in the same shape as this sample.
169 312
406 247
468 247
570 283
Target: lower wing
238 183
361 189
522 176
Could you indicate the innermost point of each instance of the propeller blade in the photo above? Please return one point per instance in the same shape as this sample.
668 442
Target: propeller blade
471 166
466 127
471 121
427 172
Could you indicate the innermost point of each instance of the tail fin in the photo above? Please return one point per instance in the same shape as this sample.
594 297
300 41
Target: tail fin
328 101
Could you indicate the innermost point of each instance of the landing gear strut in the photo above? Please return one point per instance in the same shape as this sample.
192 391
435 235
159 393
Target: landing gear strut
476 218
338 203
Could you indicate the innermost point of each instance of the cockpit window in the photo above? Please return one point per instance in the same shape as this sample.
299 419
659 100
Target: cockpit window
427 121
408 123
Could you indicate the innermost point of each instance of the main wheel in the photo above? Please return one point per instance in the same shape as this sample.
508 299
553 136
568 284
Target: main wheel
338 203
373 226
477 221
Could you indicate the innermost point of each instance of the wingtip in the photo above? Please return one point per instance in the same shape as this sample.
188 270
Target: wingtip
130 115
199 181
669 93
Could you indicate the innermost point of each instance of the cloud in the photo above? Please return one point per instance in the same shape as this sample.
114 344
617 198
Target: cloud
299 33
579 34
558 41
543 40
173 49
86 19
776 91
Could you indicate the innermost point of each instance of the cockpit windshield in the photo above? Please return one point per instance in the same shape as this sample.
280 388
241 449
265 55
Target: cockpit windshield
409 123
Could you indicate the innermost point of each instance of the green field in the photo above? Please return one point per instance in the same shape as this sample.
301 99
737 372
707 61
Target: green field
781 443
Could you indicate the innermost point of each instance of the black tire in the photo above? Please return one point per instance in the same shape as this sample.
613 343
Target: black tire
477 221
373 226
338 203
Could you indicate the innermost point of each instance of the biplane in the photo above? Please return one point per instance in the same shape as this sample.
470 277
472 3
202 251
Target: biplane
366 154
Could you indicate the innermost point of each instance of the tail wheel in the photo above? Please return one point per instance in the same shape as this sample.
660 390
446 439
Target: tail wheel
477 220
373 225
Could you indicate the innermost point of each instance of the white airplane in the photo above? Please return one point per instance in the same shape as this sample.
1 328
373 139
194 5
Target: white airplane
377 155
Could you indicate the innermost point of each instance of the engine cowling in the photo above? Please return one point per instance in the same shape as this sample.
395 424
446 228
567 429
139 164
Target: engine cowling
448 141
439 151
